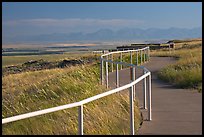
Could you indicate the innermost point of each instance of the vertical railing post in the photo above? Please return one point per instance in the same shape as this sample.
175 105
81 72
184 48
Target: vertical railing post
141 57
117 76
132 130
130 57
111 63
144 91
80 119
150 100
133 78
148 54
102 72
106 74
137 58
135 84
144 55
121 59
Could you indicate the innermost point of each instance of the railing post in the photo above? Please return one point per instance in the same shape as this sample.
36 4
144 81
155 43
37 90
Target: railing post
137 58
144 91
121 59
148 54
133 78
80 119
130 57
132 130
117 76
135 84
141 57
144 55
111 63
106 74
150 100
102 73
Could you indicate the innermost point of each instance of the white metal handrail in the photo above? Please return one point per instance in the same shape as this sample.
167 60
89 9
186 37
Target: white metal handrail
85 101
105 59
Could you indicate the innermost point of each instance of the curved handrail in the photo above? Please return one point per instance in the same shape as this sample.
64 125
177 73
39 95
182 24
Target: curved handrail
71 105
90 99
124 51
147 73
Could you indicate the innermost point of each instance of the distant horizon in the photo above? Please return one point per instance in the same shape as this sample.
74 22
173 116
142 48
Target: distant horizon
35 18
108 35
97 43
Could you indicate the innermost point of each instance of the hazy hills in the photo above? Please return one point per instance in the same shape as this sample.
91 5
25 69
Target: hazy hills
109 35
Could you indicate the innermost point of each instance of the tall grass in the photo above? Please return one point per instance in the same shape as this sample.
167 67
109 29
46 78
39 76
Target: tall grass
187 71
32 91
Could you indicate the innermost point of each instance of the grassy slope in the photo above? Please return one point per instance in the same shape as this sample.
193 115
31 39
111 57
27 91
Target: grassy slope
187 72
31 91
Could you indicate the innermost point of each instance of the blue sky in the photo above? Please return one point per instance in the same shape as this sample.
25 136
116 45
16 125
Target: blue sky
31 18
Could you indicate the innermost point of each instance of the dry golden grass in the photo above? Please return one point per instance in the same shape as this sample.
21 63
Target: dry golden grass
32 91
187 71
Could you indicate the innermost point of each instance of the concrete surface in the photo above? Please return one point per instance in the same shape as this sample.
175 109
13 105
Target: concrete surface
174 111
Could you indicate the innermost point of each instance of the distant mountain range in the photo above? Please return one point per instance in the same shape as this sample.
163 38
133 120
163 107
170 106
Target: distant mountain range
110 35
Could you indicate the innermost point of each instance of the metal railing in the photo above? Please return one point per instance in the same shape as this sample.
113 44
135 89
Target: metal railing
118 89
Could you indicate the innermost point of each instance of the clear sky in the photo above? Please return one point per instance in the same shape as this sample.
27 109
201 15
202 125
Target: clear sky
27 18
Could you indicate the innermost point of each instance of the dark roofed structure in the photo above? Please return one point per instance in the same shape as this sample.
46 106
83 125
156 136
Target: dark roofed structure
152 46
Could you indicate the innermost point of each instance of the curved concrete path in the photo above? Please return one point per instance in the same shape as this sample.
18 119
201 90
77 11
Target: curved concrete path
174 111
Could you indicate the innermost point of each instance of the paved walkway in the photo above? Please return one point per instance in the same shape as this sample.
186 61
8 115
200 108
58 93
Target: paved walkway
174 111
